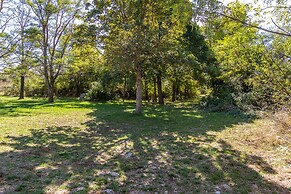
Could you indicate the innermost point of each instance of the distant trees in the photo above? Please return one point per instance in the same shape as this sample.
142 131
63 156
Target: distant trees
148 50
85 63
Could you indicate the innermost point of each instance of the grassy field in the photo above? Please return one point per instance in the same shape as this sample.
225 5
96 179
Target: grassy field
83 147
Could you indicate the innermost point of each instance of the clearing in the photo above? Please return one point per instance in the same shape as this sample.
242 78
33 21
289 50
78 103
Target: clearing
84 147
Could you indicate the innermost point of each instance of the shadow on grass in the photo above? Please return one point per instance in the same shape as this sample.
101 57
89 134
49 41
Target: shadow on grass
13 107
167 150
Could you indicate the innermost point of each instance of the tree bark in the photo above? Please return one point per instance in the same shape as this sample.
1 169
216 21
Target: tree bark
51 92
160 90
155 91
22 65
174 91
146 90
138 108
21 92
46 64
1 5
177 90
78 85
124 90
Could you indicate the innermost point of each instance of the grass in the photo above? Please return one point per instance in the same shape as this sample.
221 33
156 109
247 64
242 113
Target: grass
83 147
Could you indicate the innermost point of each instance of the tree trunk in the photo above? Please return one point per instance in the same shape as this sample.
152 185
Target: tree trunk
78 85
160 90
51 93
21 92
146 90
124 90
177 90
174 91
138 89
155 91
186 92
47 84
47 67
1 5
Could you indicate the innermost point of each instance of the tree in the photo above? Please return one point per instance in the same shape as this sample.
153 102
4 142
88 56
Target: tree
21 17
280 13
7 40
1 5
275 71
257 73
131 30
55 19
84 62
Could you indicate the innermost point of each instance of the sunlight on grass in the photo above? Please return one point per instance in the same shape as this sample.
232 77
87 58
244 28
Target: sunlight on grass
73 146
195 116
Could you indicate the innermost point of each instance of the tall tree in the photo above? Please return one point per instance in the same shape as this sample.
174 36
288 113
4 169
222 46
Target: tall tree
55 19
131 30
7 40
20 57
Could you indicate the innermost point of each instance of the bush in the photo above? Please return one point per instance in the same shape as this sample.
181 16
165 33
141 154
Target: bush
97 92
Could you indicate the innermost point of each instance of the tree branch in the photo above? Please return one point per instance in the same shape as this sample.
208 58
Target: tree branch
280 28
258 27
1 5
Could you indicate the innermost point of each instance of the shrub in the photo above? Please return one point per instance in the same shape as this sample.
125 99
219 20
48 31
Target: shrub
98 92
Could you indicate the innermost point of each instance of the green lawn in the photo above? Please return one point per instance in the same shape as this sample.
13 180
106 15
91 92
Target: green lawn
83 147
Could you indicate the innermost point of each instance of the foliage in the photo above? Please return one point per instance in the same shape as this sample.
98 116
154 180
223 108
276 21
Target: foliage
258 78
150 50
54 20
98 92
144 50
135 33
85 66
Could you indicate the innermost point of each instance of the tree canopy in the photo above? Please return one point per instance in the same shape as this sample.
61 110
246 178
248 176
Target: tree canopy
148 50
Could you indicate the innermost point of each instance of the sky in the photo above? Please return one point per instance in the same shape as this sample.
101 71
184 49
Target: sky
265 19
244 1
260 2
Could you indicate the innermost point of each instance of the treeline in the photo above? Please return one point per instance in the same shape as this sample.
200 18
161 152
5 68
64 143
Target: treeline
148 50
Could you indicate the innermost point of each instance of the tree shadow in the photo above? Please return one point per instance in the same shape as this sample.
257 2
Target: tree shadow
166 150
26 107
12 108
